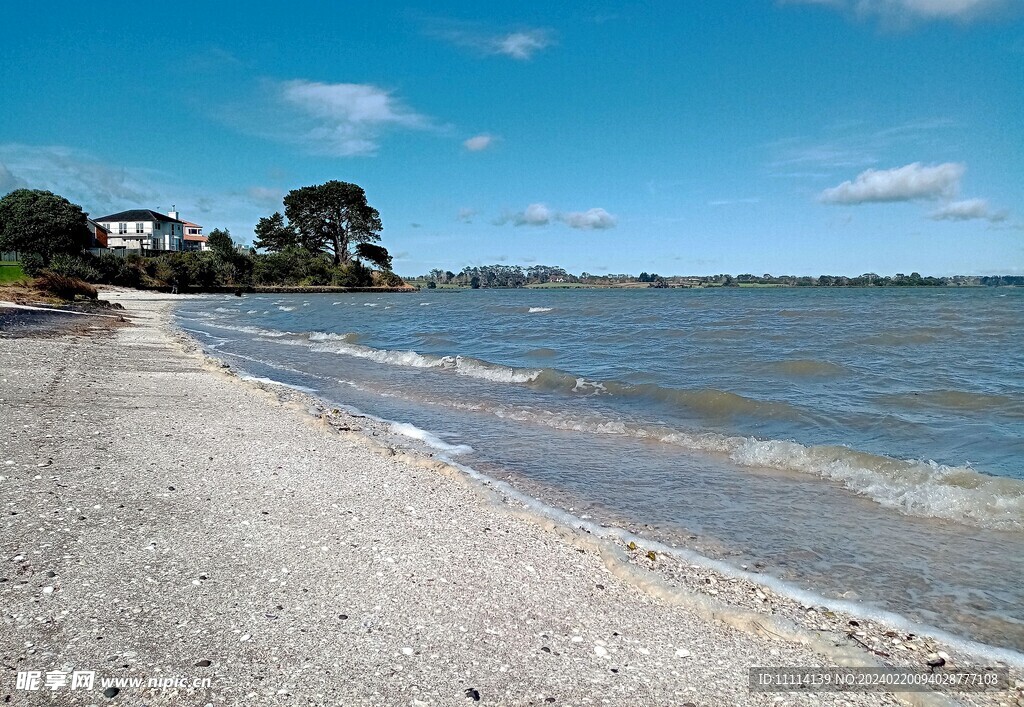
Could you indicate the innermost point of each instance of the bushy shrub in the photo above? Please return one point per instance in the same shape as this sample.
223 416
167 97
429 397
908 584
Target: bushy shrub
115 270
354 274
197 270
74 266
31 264
291 266
386 278
64 287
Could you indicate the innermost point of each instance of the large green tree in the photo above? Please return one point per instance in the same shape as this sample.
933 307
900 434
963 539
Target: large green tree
221 243
376 254
274 235
332 218
43 224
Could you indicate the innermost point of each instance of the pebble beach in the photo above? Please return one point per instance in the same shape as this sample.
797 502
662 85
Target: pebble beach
162 518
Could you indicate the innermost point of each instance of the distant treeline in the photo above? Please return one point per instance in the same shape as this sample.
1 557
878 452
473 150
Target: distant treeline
485 276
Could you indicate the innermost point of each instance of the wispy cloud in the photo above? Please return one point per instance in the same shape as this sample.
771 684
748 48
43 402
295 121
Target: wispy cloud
904 12
340 119
466 214
80 176
478 143
520 44
523 45
8 181
851 144
265 195
912 182
968 210
539 214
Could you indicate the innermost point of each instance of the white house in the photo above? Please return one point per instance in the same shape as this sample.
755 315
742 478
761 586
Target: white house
144 229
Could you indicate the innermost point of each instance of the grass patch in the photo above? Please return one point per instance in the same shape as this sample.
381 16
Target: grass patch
11 273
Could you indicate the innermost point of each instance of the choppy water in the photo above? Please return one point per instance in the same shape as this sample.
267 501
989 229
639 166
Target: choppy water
861 443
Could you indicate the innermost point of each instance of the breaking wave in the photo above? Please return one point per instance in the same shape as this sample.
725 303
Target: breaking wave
429 438
914 487
463 365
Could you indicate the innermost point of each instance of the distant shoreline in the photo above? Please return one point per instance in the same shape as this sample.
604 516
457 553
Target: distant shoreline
416 285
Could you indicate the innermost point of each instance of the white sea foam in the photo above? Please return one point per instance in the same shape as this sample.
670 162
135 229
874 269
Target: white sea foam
246 329
535 310
585 386
488 371
271 381
329 336
286 309
429 438
459 364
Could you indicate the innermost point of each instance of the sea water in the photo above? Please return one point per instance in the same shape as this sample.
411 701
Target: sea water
866 444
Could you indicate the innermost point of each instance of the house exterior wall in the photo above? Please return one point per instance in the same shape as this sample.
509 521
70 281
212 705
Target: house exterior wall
144 235
99 235
195 245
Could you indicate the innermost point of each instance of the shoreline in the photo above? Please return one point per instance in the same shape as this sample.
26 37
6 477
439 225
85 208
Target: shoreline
813 616
657 603
760 593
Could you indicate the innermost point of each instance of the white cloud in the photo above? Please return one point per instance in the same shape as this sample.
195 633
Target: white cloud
910 183
539 214
466 215
522 45
904 11
968 210
533 215
592 219
341 119
478 142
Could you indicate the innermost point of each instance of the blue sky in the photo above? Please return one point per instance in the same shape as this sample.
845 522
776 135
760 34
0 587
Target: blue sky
798 137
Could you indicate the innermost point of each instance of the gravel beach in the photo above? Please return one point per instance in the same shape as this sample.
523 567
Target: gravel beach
161 519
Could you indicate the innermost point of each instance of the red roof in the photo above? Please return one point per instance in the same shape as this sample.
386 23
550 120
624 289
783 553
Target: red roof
201 239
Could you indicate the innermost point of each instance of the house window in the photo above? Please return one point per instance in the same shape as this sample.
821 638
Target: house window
122 228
